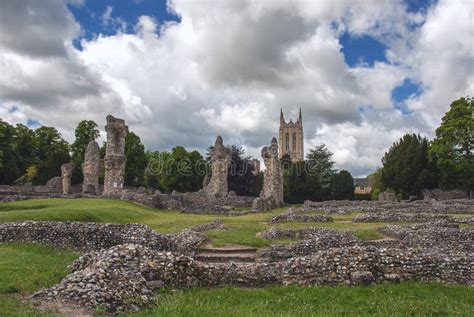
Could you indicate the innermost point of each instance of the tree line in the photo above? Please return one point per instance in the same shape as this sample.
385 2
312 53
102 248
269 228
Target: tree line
414 163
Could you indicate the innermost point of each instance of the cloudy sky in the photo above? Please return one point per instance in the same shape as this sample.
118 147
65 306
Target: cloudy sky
181 72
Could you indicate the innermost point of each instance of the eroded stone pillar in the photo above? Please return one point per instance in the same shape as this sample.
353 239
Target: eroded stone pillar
66 174
221 156
115 159
273 175
91 169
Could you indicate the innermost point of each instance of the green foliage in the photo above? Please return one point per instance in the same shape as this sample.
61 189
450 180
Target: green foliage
406 167
453 147
342 186
375 194
178 170
85 132
241 177
376 179
9 165
52 152
299 184
136 161
310 179
321 165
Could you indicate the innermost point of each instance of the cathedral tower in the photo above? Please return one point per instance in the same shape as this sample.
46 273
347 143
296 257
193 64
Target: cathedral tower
291 138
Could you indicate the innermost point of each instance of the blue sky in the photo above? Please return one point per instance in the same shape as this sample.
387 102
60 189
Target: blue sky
364 72
357 49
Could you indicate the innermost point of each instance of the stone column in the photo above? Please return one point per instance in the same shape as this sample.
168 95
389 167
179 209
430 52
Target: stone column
114 155
66 174
273 175
221 156
91 169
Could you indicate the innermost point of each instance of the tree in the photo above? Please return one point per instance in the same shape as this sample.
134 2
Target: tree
178 170
9 170
52 151
342 186
24 146
136 161
242 177
85 132
453 147
299 184
321 165
376 179
406 167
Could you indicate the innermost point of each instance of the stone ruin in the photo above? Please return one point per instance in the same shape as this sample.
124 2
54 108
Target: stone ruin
125 264
221 158
66 174
272 193
114 155
91 169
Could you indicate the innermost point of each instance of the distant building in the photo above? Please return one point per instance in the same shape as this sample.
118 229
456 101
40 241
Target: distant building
291 138
362 186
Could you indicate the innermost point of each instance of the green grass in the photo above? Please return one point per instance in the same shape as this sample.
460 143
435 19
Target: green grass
26 268
405 299
241 229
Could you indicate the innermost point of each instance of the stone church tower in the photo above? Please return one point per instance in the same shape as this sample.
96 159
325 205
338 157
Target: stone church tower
291 138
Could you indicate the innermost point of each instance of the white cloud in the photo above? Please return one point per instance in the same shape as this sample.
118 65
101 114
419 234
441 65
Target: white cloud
229 66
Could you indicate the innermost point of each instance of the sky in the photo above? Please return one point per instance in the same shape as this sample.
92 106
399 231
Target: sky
181 72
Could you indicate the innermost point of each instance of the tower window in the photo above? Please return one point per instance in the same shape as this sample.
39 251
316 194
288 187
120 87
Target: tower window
287 141
294 142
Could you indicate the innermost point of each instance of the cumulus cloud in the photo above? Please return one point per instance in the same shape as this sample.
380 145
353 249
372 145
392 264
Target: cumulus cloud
229 66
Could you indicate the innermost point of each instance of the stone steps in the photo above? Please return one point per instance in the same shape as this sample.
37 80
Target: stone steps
223 255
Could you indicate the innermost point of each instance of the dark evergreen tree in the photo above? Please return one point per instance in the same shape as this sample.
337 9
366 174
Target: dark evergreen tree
342 186
406 167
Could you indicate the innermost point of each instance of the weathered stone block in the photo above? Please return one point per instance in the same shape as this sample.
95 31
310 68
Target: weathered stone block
91 169
66 174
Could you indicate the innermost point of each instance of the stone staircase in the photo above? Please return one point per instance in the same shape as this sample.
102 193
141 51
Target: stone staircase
223 255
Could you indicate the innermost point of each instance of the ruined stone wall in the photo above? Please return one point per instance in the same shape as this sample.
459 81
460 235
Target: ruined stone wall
272 193
419 206
91 169
115 159
438 194
221 159
66 174
125 276
192 202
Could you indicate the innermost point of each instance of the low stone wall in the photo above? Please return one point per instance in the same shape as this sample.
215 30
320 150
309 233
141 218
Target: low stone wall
442 236
89 236
294 214
192 202
438 194
124 277
400 217
418 206
314 239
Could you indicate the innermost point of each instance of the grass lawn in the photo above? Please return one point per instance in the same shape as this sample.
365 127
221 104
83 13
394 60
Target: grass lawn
26 268
405 299
241 229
